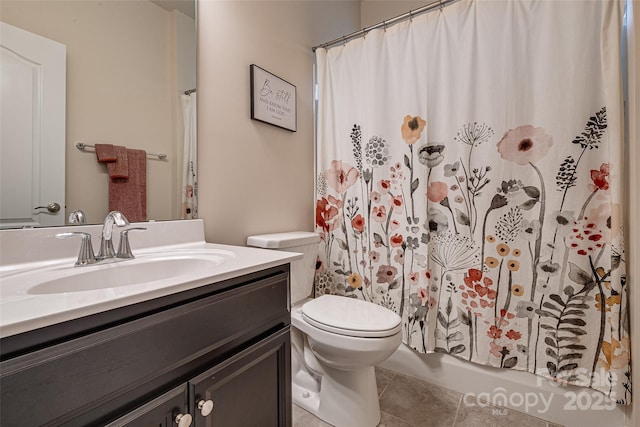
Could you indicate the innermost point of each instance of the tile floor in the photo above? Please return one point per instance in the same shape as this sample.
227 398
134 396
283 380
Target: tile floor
410 402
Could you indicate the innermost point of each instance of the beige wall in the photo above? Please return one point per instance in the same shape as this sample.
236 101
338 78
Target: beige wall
119 90
376 11
254 177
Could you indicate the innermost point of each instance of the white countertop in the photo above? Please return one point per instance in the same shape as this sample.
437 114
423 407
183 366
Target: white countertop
22 311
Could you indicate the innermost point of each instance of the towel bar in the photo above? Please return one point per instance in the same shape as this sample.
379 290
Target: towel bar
82 146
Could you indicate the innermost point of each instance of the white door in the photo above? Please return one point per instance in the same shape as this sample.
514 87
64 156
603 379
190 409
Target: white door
32 129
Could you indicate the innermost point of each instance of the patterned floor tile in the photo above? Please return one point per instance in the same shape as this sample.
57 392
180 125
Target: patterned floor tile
388 420
419 403
302 418
477 414
383 378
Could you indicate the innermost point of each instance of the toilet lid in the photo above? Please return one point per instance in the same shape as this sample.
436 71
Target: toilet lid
351 317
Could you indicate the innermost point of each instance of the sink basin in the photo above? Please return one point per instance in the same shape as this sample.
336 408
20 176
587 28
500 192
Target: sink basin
126 274
150 269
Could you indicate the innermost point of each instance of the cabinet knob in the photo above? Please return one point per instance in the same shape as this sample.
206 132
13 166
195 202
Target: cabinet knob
205 407
183 420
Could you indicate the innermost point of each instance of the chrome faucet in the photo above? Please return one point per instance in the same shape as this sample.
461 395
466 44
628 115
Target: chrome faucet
106 243
86 255
77 217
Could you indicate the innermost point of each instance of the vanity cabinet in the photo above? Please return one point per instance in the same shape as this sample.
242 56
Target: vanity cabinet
160 412
225 346
248 389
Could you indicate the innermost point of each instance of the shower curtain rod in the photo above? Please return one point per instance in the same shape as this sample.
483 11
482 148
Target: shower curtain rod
438 4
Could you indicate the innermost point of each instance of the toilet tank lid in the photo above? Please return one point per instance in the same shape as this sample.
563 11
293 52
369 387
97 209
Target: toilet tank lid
283 240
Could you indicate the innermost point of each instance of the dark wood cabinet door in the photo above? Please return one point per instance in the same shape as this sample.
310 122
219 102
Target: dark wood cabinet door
250 389
160 412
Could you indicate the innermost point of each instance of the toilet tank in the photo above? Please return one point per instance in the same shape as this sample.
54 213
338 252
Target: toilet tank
302 270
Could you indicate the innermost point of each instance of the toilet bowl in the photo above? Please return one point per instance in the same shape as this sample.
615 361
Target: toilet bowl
336 341
341 360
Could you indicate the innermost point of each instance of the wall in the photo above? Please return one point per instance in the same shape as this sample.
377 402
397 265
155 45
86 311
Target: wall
110 45
254 177
376 11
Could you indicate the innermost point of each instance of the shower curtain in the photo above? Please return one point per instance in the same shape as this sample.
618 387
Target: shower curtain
189 158
470 179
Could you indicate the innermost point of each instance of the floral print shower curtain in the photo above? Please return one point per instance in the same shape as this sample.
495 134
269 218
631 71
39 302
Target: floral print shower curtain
470 179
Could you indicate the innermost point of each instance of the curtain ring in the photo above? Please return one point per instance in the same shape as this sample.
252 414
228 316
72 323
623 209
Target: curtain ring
344 40
441 5
384 26
410 16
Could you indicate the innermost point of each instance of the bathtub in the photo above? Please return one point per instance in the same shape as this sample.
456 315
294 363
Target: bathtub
521 391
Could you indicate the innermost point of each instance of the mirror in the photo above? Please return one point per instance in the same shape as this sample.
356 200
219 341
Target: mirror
128 65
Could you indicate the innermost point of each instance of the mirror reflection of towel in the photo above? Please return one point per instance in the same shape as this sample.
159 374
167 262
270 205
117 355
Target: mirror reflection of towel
119 168
105 153
129 195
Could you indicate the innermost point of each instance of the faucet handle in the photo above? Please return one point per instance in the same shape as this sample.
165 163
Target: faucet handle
124 250
86 255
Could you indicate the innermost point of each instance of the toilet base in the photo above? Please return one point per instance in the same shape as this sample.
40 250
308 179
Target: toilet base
345 399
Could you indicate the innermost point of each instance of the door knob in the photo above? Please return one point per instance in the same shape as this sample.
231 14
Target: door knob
183 420
52 207
205 407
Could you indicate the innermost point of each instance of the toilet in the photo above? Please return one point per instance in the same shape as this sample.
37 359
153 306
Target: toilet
335 341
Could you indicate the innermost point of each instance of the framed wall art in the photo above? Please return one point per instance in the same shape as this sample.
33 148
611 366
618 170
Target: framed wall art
273 100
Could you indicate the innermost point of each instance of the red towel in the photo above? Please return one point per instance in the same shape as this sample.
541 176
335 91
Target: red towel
129 195
119 168
105 153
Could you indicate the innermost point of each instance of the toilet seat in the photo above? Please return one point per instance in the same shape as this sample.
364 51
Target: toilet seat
351 317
